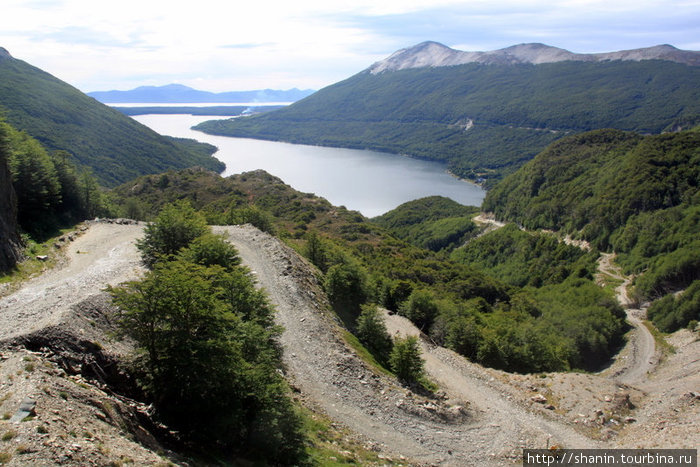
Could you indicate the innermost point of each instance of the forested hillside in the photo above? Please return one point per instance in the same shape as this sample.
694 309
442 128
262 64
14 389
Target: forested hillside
569 324
114 146
49 191
638 196
435 223
484 119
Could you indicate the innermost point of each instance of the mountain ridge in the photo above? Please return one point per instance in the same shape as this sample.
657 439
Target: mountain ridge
179 93
435 54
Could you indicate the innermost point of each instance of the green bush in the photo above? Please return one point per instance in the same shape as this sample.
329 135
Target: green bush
209 359
176 226
371 331
406 361
671 312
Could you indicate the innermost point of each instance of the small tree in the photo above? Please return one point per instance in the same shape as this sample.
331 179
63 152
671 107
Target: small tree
176 226
371 331
406 361
421 308
346 286
316 251
210 359
209 250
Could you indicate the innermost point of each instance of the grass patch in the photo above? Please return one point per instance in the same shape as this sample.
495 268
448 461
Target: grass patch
32 266
331 445
659 339
364 354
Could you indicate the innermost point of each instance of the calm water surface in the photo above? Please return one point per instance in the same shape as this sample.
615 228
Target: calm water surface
367 181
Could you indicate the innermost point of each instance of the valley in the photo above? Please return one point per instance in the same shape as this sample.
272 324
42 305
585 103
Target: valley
481 416
339 302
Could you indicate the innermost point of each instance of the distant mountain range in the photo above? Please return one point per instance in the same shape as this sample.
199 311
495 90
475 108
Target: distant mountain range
434 54
487 113
177 93
117 148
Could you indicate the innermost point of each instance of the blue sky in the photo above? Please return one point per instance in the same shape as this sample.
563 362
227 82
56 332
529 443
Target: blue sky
218 45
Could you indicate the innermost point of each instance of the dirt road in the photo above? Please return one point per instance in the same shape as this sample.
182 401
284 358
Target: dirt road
640 357
104 255
493 432
491 428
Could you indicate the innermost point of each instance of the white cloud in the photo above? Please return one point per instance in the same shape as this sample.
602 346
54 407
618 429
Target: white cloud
222 45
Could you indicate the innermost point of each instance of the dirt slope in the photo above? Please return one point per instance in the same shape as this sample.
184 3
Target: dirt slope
486 418
321 365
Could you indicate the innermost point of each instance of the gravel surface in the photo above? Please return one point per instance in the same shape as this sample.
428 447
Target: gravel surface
485 417
323 367
105 256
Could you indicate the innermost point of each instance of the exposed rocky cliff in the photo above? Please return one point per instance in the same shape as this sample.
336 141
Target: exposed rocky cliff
10 251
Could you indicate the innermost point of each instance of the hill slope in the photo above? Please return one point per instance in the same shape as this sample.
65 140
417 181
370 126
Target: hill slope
116 147
636 195
485 119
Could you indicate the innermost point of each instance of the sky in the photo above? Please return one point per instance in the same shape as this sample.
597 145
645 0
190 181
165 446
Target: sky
234 45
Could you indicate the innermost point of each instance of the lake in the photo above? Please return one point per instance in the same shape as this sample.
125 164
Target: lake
367 181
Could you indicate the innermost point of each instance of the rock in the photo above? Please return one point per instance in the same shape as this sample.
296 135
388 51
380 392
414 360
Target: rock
549 407
26 408
621 401
42 257
539 398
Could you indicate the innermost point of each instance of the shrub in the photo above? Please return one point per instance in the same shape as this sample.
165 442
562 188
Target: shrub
406 361
176 226
371 331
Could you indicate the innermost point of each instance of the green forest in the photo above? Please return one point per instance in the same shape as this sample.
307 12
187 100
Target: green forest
482 316
484 120
638 196
51 190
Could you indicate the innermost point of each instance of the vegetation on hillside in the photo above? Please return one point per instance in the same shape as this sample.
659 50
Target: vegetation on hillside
361 263
51 191
207 352
636 195
485 120
436 223
114 146
526 258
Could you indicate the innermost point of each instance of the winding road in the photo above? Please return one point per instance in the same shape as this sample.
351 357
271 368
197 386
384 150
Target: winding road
490 430
640 354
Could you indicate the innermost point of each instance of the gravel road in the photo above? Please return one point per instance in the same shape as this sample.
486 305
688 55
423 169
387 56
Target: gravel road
478 422
319 363
641 356
103 255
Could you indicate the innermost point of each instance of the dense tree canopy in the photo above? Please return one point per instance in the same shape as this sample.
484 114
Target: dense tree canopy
208 355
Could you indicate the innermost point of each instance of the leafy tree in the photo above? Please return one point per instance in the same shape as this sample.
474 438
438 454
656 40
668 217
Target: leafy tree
406 361
35 181
176 226
209 249
316 251
371 331
421 308
346 286
211 370
250 215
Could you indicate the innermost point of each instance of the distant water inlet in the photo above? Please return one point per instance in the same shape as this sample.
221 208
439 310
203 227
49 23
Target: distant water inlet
367 181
